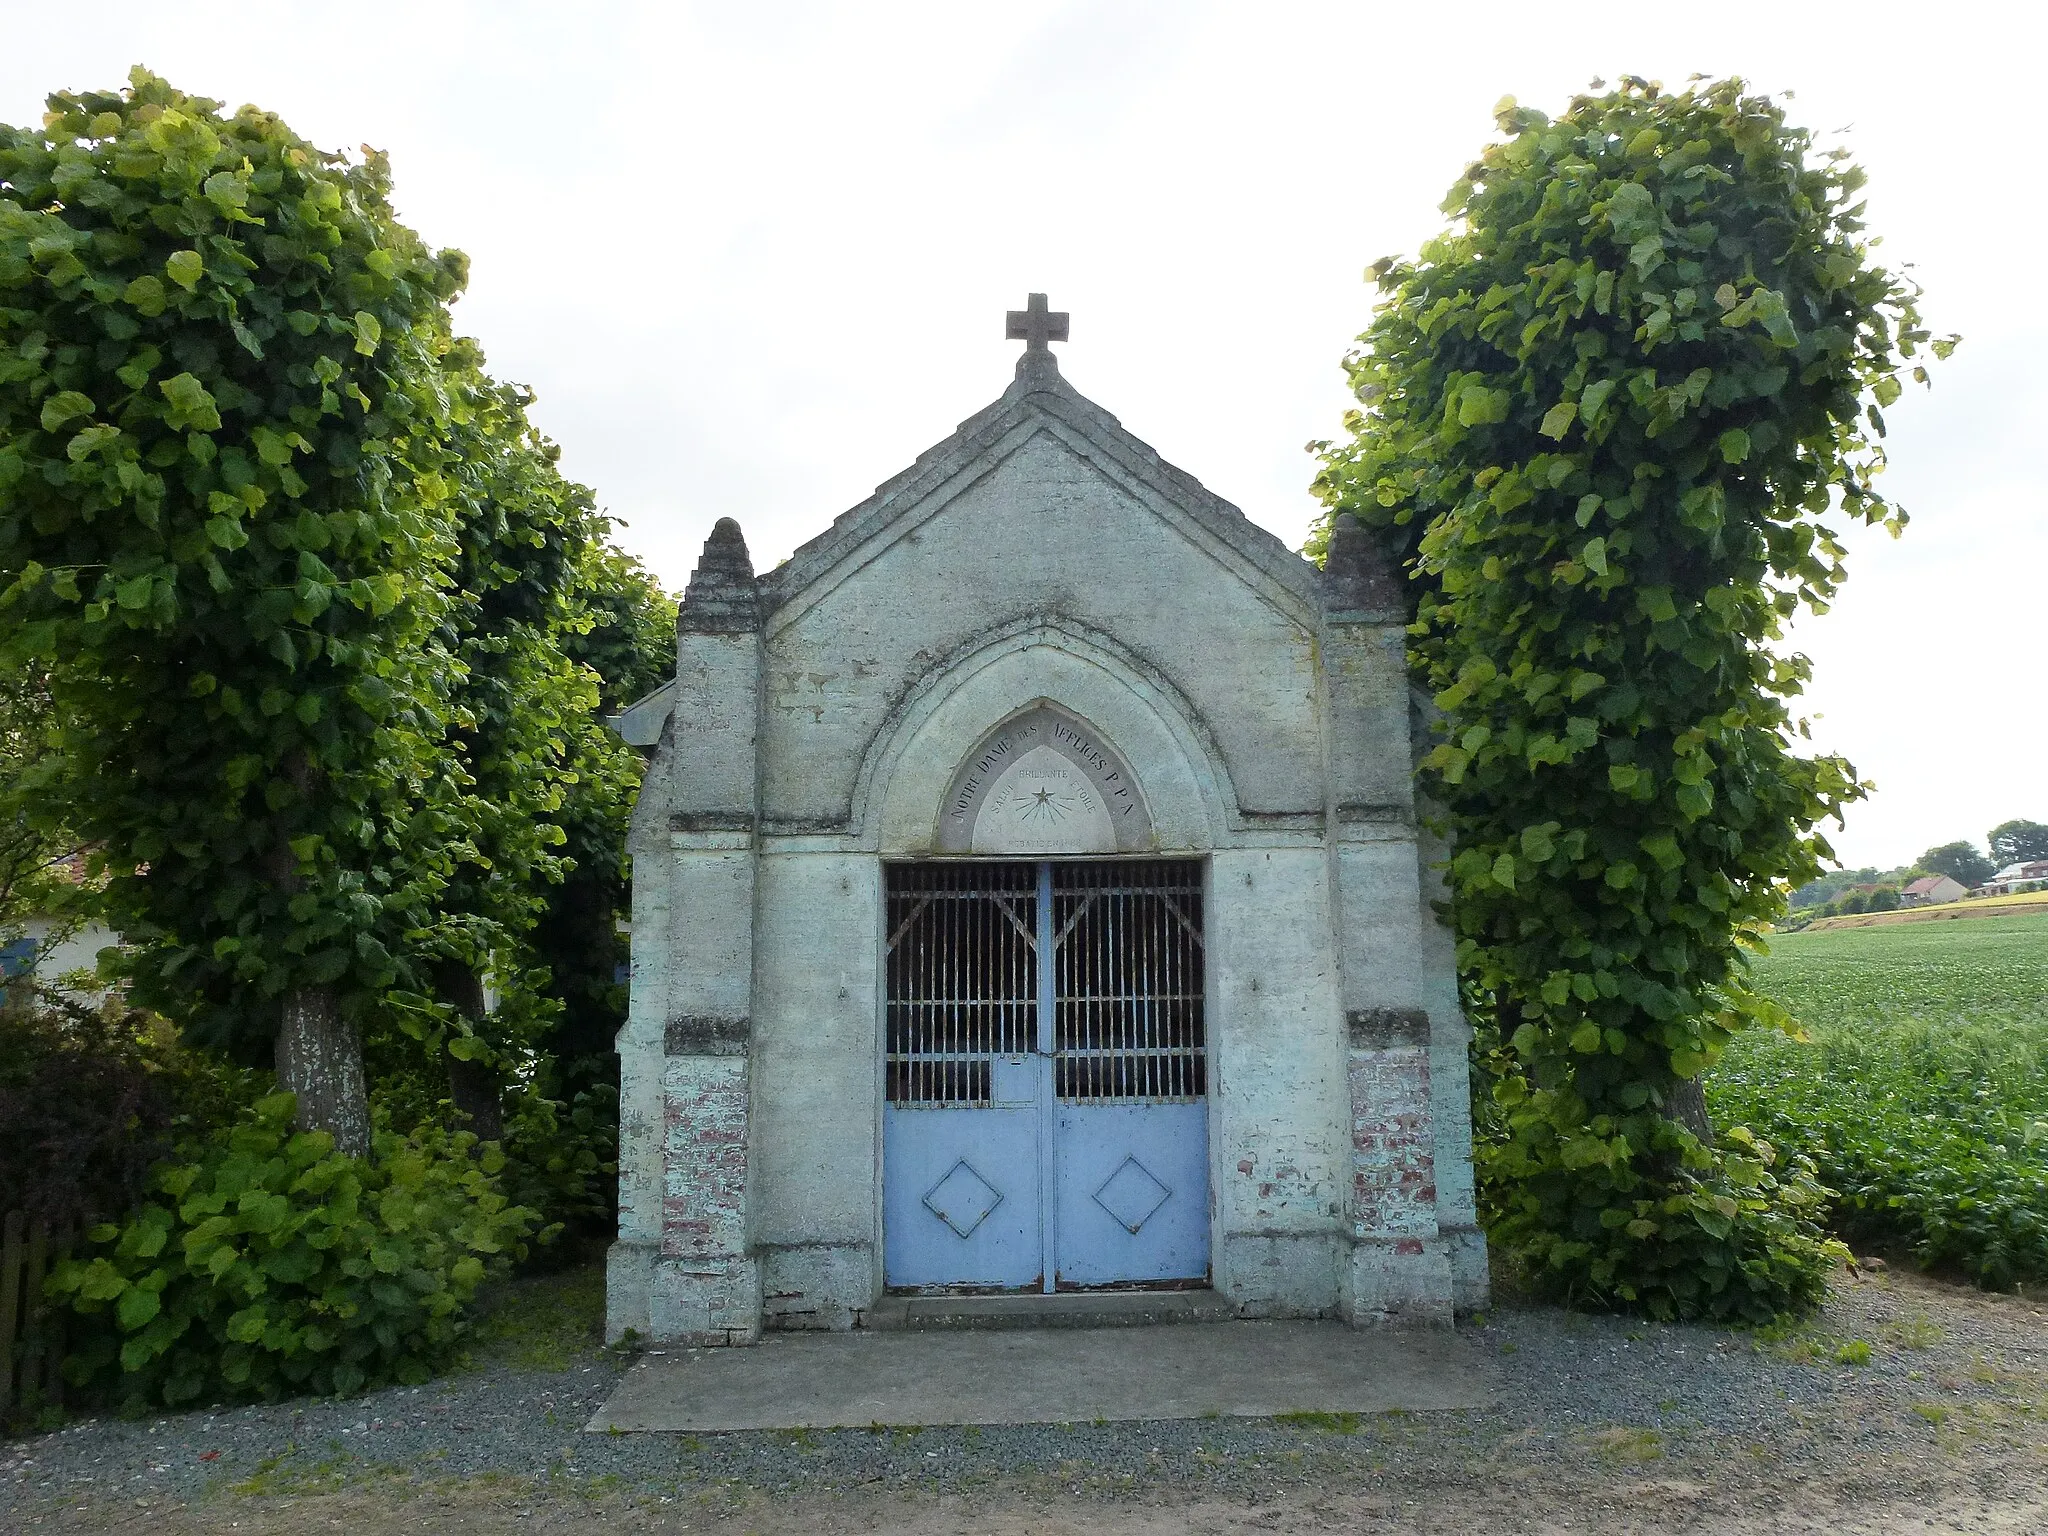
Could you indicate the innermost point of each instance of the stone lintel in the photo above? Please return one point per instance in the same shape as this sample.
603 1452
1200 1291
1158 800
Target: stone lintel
711 842
807 826
1281 821
704 1034
1359 822
711 831
711 821
1385 1029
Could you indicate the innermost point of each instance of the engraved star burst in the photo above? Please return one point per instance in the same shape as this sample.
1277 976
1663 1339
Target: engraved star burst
1044 804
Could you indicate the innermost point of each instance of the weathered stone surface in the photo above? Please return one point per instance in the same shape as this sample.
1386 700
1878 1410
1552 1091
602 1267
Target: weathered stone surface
720 597
707 1285
1381 1028
704 1180
1359 578
1400 1271
826 714
707 1034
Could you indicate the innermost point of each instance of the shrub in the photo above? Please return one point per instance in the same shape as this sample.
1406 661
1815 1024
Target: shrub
560 1150
266 1263
91 1097
1732 1231
562 1160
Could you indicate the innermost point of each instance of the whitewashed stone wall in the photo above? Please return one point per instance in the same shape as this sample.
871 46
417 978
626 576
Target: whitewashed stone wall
818 717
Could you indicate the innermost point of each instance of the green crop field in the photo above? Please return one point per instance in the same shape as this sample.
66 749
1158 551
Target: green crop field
1923 1093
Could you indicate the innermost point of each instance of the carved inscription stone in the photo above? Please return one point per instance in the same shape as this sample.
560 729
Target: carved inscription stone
1044 782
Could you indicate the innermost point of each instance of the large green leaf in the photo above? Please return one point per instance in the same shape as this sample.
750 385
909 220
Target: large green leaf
136 1307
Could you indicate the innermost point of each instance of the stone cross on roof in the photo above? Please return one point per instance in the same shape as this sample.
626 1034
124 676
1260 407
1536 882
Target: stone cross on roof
1035 325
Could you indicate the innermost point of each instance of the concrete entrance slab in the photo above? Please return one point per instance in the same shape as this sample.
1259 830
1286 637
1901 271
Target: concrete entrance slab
1045 1376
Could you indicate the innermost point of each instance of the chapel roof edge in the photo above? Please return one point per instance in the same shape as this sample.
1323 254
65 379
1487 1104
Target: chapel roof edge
1040 396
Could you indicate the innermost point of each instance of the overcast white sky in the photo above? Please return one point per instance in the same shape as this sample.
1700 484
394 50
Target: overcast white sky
755 258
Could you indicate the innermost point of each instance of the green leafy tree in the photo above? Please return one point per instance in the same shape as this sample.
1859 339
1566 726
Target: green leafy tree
502 776
623 628
223 477
2016 842
1959 861
528 806
1601 422
1827 887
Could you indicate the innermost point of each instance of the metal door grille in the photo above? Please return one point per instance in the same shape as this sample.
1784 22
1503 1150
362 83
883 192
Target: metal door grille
1127 982
962 977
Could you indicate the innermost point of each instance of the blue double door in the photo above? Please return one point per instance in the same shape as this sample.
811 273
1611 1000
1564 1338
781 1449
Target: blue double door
1045 1109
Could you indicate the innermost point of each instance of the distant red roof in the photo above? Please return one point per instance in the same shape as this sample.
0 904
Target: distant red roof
1925 885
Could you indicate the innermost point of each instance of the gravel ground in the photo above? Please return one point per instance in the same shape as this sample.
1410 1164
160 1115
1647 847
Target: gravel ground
1604 1423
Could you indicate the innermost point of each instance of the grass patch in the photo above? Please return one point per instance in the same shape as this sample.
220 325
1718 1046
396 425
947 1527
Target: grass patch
1798 1343
1627 1444
1923 1092
1916 1330
544 1322
1328 1423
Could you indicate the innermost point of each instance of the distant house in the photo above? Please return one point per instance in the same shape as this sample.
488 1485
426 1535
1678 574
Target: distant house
1932 891
46 951
51 948
17 958
2029 875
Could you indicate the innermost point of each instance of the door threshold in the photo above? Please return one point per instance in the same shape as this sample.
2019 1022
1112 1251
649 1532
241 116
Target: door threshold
1063 1309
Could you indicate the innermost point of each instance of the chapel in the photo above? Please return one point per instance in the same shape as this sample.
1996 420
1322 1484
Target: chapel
1029 897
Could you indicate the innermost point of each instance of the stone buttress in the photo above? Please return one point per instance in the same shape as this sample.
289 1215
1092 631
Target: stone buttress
683 1256
1404 1031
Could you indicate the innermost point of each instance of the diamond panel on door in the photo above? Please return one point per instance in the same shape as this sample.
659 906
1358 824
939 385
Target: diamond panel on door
962 1199
1118 1239
1132 1195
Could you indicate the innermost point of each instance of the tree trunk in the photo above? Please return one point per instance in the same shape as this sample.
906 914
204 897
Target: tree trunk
320 1058
319 1055
472 1086
1688 1106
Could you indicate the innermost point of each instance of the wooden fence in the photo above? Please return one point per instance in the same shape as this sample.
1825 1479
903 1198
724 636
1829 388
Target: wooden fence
31 1331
